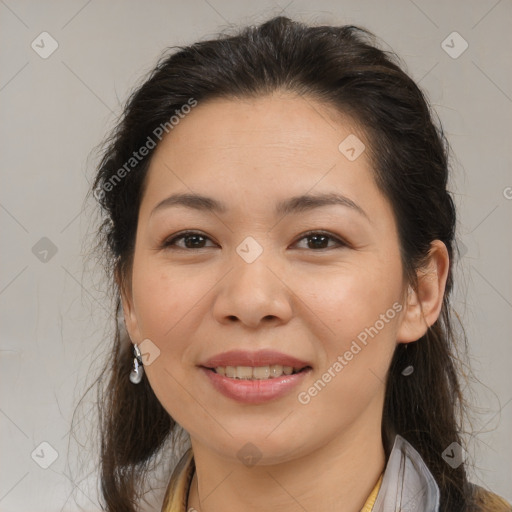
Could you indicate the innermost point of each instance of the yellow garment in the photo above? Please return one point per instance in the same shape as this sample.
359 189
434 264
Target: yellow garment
373 496
176 495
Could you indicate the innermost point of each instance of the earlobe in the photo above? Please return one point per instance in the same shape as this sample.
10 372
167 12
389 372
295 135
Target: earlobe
412 325
424 304
130 318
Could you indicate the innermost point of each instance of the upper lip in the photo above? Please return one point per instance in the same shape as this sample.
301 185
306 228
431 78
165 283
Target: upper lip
258 358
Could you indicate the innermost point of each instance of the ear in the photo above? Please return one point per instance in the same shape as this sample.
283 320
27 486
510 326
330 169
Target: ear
424 304
130 318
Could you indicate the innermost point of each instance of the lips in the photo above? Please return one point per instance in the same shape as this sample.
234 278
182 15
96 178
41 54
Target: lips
255 359
230 374
254 392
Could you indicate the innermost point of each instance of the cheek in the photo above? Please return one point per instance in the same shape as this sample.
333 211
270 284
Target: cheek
170 307
354 351
166 306
164 301
347 300
354 313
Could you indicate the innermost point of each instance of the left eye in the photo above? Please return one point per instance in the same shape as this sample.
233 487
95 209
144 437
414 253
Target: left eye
194 240
319 238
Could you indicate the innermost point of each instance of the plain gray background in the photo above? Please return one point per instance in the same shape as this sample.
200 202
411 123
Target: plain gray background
56 110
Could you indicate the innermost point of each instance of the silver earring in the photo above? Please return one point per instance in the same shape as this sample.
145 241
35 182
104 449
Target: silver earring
138 367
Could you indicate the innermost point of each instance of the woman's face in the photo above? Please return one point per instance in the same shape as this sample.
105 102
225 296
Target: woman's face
251 279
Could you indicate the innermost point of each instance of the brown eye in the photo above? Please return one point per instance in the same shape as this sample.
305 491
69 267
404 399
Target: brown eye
320 240
191 240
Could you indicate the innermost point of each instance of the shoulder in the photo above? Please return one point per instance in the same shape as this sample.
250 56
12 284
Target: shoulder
487 501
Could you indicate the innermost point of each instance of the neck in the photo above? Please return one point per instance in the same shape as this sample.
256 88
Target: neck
339 475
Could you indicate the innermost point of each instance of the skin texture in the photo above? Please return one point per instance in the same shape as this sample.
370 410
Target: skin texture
301 300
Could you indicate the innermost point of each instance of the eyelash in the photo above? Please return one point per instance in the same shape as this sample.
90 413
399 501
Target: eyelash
170 242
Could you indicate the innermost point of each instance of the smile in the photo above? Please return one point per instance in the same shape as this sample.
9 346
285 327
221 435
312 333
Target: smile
254 390
256 372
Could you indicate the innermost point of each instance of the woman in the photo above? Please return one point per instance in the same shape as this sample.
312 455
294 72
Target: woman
281 242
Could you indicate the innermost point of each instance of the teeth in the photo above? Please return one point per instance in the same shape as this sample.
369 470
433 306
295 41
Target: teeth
255 373
261 372
231 371
243 372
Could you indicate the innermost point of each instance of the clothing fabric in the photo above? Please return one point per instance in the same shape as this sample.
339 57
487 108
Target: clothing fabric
406 485
176 500
368 506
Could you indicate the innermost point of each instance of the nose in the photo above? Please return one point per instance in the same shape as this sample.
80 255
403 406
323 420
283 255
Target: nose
253 294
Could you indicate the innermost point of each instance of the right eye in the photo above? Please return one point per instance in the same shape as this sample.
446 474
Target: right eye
192 240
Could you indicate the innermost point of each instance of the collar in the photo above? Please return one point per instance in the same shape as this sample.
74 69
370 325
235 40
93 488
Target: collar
407 483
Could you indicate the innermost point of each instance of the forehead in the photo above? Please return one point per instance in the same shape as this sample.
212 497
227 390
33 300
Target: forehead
281 119
279 145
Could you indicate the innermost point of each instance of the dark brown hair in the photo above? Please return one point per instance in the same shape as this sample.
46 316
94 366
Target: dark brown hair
342 67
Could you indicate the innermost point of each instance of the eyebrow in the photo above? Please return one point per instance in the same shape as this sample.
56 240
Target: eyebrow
296 204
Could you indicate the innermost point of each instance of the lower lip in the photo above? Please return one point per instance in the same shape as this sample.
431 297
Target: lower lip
255 391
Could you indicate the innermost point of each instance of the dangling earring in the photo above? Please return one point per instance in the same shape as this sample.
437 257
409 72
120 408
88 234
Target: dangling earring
138 367
408 370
